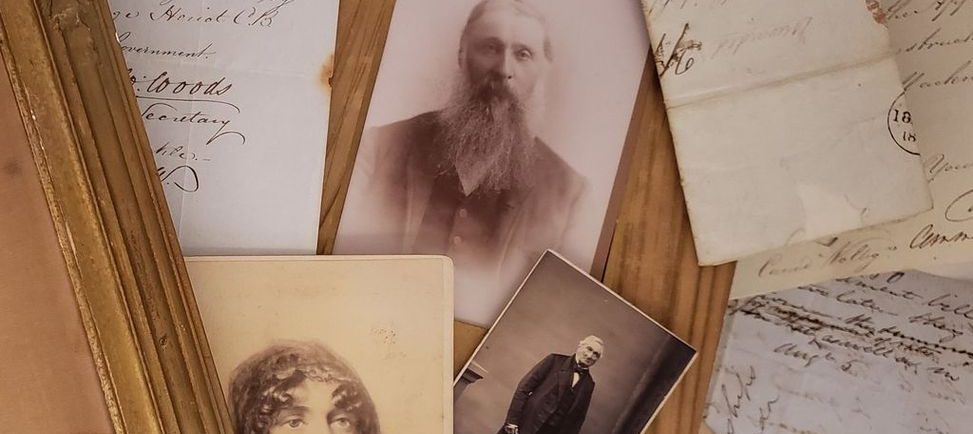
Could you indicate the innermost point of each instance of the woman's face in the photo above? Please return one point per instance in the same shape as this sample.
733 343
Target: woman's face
312 410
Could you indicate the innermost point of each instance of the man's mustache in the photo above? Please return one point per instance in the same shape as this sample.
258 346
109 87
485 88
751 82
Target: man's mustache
494 89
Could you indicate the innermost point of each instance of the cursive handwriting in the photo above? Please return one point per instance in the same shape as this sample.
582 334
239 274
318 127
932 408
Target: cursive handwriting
744 391
854 297
928 237
938 322
152 113
177 161
932 10
776 265
198 53
166 112
961 208
731 44
187 181
678 59
260 13
741 397
765 412
859 253
947 303
162 83
884 287
936 40
962 75
655 8
178 151
814 354
938 164
794 351
862 252
858 333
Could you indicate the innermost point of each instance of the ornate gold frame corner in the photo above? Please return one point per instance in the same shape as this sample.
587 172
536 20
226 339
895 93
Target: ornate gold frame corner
111 217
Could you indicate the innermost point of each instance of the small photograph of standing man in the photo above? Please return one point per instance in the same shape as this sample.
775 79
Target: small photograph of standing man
568 356
553 397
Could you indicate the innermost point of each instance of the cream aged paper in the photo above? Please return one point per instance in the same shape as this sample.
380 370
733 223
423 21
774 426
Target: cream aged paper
934 45
780 115
883 354
234 96
375 334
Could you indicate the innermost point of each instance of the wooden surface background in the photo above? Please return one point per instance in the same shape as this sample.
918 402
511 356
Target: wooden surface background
651 263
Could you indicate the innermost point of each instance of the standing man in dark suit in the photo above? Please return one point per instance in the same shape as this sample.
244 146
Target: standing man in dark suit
473 180
553 397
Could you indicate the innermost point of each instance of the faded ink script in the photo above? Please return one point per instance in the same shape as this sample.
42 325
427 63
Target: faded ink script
198 101
705 48
882 354
933 42
235 107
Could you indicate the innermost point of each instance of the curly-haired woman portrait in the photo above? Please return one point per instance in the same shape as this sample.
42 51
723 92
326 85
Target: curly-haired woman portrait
300 387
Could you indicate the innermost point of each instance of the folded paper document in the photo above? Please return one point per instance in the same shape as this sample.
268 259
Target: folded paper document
787 118
235 98
934 45
881 354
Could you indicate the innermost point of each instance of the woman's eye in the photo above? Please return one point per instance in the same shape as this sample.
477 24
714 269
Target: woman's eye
295 423
343 424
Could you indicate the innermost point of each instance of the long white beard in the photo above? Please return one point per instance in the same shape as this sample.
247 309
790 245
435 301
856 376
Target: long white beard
484 129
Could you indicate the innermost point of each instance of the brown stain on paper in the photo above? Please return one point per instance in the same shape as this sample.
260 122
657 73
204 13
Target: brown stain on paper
327 73
877 13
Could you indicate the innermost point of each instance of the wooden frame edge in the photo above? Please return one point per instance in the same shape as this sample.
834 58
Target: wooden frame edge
111 218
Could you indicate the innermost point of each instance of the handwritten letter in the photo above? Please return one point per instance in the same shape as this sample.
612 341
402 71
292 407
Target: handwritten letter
934 46
882 354
234 96
779 113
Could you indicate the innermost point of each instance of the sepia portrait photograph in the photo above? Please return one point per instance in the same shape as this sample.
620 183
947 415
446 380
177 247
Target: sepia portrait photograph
568 356
496 131
332 345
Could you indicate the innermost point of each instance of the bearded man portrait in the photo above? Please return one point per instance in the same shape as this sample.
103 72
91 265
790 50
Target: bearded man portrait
473 181
495 133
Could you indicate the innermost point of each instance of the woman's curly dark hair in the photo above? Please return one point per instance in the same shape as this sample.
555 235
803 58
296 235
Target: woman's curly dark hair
260 387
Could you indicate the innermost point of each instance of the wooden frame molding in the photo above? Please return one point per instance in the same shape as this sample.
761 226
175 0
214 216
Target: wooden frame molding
111 217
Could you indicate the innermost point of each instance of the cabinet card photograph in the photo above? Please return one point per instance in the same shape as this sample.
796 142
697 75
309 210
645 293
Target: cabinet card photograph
495 132
568 356
330 344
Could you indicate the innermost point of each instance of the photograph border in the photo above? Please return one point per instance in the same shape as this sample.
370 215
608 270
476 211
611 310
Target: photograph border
333 202
513 299
448 320
123 261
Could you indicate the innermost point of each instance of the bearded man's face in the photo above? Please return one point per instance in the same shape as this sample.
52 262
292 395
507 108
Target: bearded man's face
503 46
485 125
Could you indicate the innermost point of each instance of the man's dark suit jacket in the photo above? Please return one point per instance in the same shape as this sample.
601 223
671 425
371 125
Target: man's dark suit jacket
539 392
390 192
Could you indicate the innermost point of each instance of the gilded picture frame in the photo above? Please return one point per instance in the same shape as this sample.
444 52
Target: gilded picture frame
122 258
